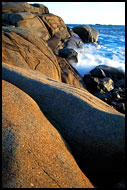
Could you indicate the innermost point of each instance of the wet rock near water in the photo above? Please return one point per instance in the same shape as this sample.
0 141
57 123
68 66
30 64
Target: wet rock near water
111 72
74 41
69 74
69 54
86 33
108 84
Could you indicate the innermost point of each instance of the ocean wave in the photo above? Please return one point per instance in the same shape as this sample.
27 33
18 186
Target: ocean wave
92 55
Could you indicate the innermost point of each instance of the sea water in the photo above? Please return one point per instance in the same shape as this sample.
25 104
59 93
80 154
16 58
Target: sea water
109 51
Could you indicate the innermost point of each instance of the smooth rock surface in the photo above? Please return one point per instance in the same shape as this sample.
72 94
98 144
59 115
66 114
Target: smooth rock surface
93 129
34 154
21 48
86 33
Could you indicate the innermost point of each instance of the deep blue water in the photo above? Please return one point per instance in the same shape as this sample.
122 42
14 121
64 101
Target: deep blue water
110 50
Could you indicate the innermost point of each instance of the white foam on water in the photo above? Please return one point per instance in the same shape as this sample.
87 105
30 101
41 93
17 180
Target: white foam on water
90 56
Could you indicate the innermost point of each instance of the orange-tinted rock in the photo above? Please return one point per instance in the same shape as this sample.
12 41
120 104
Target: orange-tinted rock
55 26
93 129
43 8
69 75
28 21
34 155
23 6
22 48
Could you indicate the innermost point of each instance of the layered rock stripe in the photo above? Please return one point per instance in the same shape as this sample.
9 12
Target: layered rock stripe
91 129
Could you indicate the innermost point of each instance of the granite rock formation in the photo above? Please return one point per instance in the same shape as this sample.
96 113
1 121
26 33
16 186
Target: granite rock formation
91 129
34 153
19 46
55 132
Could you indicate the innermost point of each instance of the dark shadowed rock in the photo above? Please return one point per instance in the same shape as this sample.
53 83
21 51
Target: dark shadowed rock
92 83
69 74
86 33
112 72
105 96
93 129
55 26
121 107
34 154
119 83
69 54
104 78
121 184
97 72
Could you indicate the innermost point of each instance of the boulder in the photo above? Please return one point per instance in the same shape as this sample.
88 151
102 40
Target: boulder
94 130
34 154
74 43
12 7
97 72
69 54
86 33
28 21
112 72
21 48
69 74
104 79
55 26
95 84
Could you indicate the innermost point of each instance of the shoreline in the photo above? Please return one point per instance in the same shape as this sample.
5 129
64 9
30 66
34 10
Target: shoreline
59 130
